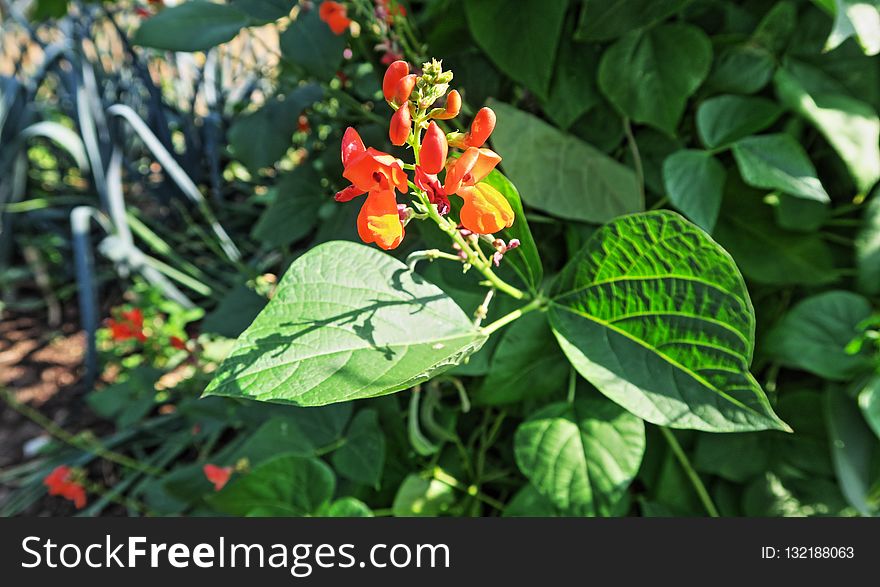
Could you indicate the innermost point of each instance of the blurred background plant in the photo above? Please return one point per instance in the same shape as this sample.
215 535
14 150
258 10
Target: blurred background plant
161 165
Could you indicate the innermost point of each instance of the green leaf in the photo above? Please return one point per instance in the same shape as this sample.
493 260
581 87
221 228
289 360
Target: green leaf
46 9
851 126
362 457
529 503
868 248
764 252
264 11
694 182
741 69
525 364
346 322
195 25
735 457
603 20
346 507
261 138
656 315
286 485
778 162
310 44
559 174
583 455
523 259
724 119
649 74
869 402
855 18
789 497
418 496
294 213
853 451
798 214
235 312
128 401
814 334
536 25
573 90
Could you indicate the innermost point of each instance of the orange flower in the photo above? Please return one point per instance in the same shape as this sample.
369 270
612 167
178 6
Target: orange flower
395 72
335 15
379 221
59 482
485 209
481 127
219 476
380 174
368 169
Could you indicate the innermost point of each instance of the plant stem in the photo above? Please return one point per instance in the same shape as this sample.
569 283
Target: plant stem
472 490
690 472
508 318
74 441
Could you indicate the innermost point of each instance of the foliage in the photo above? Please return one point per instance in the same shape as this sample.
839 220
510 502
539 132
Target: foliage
686 245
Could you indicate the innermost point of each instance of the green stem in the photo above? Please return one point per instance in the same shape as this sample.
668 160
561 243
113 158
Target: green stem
472 490
508 318
74 441
690 472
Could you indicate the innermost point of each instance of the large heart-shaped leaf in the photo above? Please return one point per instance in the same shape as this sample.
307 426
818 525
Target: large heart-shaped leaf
603 20
560 174
536 25
195 25
656 315
346 322
581 455
362 457
649 75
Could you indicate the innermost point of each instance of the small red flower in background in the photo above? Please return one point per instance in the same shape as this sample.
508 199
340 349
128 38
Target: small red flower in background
130 325
219 476
177 343
59 482
384 10
335 15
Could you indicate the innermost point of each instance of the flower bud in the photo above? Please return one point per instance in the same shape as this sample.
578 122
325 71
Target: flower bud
453 106
432 157
401 124
393 75
481 128
404 88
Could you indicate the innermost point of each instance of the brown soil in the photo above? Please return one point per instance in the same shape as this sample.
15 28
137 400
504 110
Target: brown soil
40 367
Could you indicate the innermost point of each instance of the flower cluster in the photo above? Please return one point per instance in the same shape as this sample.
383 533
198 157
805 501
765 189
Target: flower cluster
62 481
413 98
129 325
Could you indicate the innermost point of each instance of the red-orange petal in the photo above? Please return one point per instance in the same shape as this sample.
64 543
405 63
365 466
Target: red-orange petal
453 106
481 127
485 210
460 169
352 144
379 222
400 127
404 88
393 74
432 156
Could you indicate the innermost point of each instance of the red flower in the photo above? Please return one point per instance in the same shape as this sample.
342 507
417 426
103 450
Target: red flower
335 15
59 483
177 343
432 157
130 325
395 72
219 476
